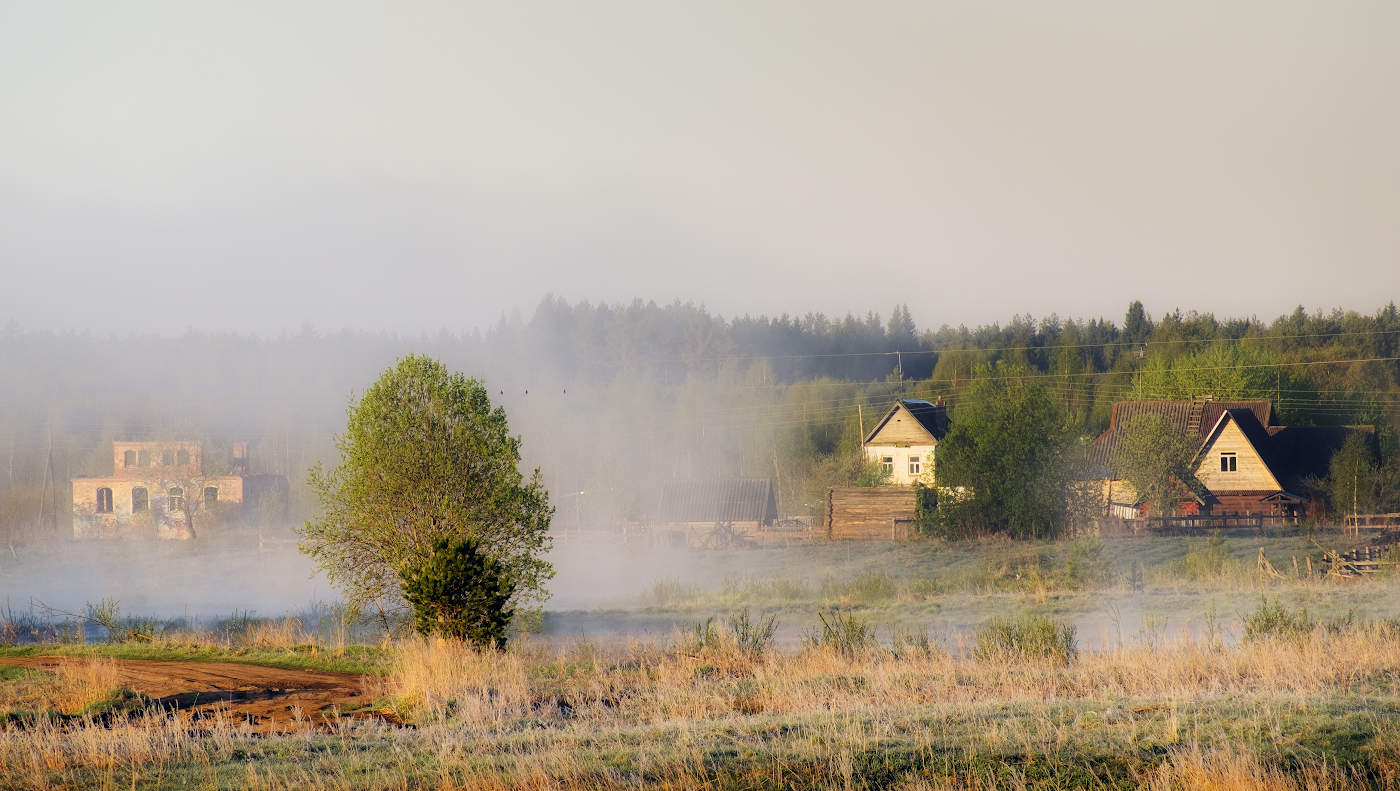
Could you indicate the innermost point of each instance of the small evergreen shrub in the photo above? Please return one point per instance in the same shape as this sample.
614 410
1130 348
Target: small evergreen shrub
460 593
1027 637
1273 620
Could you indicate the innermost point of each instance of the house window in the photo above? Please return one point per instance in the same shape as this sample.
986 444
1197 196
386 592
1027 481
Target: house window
104 500
184 457
916 465
140 499
145 458
168 458
887 465
177 499
211 496
129 459
1227 462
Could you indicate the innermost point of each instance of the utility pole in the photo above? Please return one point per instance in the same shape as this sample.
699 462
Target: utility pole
860 416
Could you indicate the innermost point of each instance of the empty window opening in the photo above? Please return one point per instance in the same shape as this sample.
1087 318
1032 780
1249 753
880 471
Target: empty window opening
916 465
1227 462
144 457
211 496
140 499
168 458
887 465
129 459
177 499
183 457
104 500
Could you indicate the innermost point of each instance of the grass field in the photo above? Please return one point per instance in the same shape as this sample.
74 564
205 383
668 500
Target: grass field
922 666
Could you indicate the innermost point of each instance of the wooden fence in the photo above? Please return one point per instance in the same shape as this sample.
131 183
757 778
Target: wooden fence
870 513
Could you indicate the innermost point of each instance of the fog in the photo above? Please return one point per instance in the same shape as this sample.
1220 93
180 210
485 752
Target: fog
223 224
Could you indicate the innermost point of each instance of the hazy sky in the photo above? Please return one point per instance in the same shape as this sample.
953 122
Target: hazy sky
418 165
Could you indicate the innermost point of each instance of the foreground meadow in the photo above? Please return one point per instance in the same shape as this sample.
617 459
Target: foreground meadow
1295 684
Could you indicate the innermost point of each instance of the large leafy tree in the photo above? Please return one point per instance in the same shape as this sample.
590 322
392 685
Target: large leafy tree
1154 457
425 457
1006 464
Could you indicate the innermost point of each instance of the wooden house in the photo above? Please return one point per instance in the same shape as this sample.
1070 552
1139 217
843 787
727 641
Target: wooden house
1244 464
905 441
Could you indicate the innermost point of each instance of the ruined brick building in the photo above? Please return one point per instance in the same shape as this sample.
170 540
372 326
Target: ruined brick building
160 490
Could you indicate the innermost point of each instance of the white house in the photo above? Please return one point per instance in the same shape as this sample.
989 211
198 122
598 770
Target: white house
905 441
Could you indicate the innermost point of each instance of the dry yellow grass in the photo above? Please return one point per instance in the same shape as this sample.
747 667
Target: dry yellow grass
683 716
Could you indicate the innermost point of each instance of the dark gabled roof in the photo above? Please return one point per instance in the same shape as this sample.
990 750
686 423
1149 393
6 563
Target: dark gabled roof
1305 452
1178 414
933 417
717 500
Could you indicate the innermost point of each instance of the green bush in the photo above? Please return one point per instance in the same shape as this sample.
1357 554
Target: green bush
1273 620
1027 637
460 593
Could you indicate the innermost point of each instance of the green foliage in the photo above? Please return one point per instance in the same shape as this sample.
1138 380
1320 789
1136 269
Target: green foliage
925 509
1006 462
460 593
1154 457
1027 637
1226 371
1353 480
1273 620
871 473
425 457
843 632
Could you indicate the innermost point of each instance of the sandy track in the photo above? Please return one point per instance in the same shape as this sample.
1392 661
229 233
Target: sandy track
268 699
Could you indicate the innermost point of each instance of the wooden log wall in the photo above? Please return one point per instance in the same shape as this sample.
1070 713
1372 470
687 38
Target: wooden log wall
870 513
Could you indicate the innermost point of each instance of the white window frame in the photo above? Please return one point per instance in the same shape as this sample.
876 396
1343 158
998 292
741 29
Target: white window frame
887 465
916 465
1229 461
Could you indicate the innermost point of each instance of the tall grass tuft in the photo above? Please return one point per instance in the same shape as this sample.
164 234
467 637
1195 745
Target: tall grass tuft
843 632
753 637
1027 637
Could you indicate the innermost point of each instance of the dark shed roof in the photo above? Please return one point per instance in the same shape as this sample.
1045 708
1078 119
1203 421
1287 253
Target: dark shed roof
717 500
1304 452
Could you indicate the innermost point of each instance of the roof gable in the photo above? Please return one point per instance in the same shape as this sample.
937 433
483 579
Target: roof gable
1255 440
914 419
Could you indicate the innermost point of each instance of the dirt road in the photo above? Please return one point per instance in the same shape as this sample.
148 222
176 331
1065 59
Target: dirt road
268 699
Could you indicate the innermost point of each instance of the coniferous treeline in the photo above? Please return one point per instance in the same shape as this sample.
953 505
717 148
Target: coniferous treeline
613 399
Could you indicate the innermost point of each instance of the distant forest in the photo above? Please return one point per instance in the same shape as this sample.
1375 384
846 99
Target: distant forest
611 400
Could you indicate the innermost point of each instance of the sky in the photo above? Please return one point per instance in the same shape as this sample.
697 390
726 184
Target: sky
417 166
